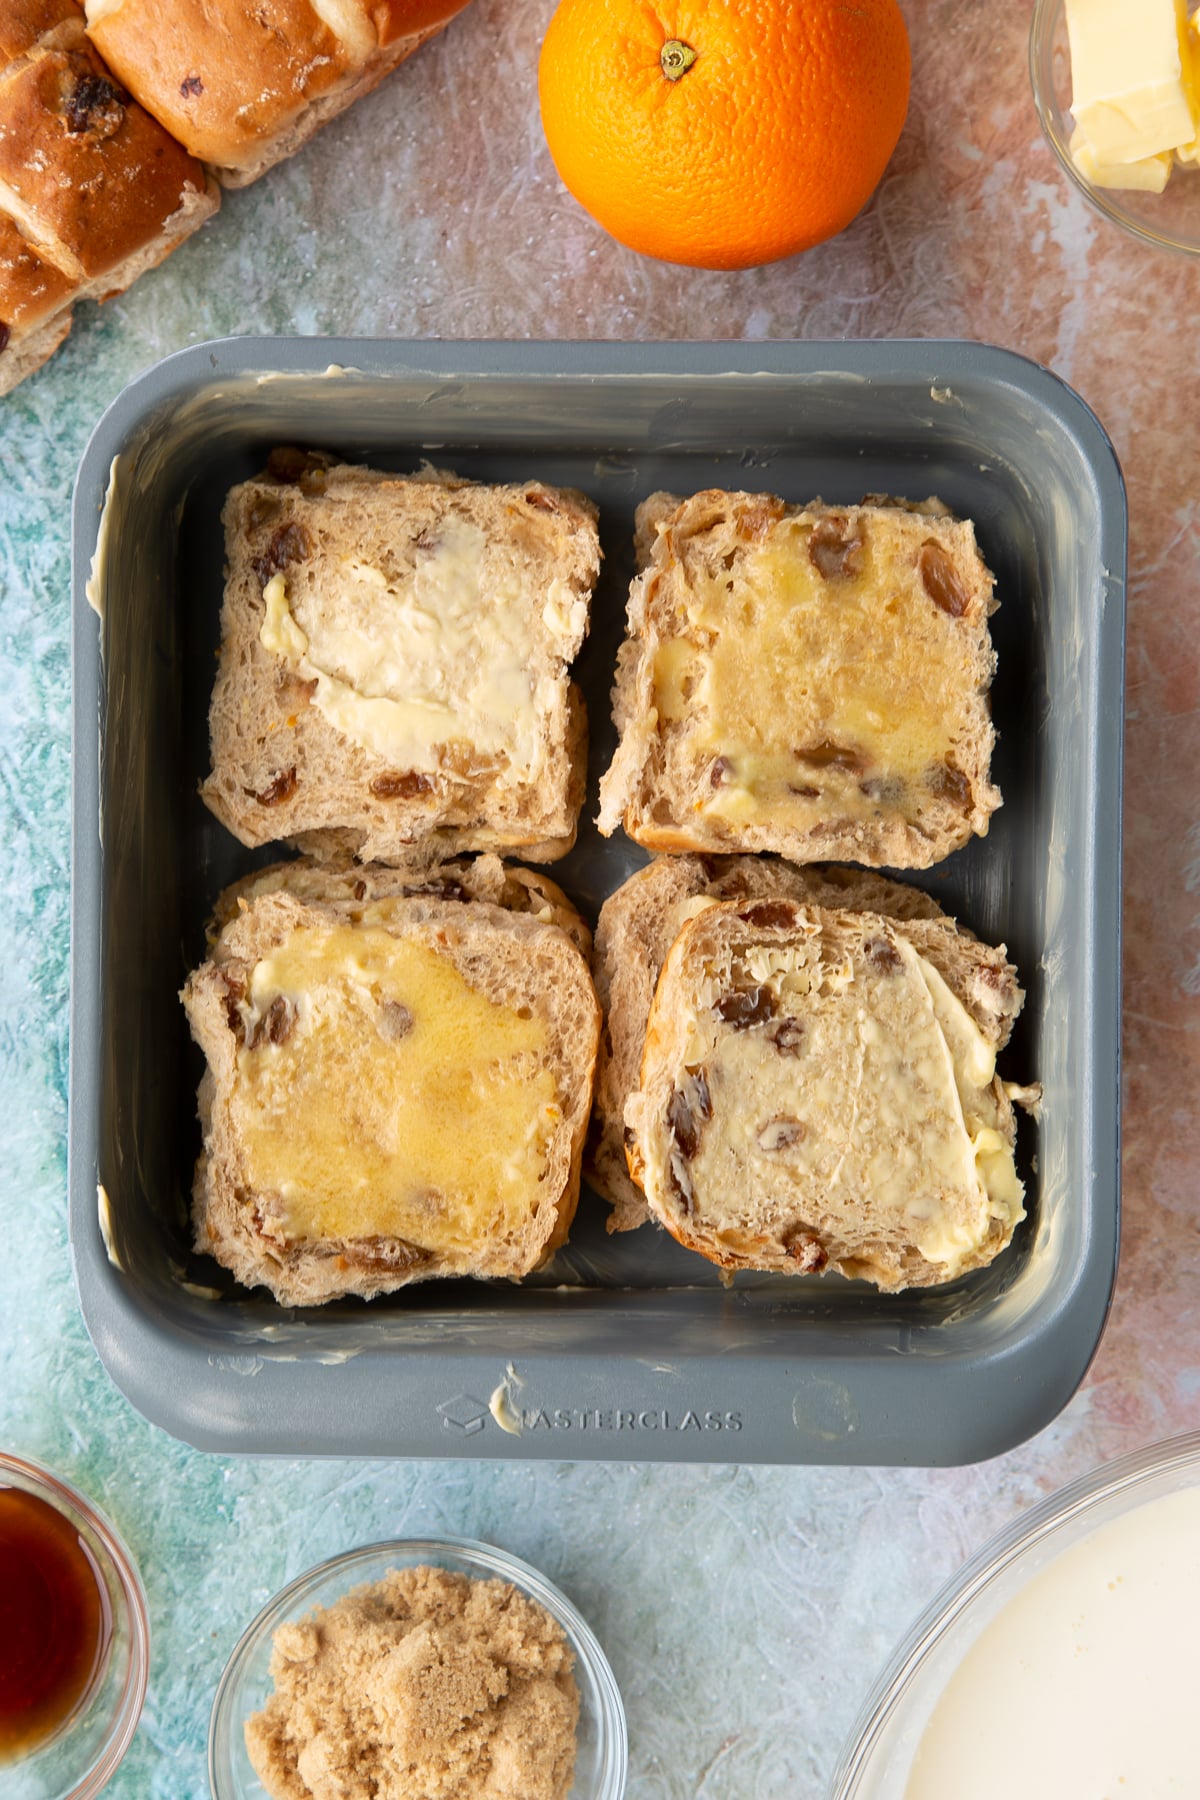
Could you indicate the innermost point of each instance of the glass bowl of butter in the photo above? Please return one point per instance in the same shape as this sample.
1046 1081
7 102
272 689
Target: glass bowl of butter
1060 1660
1117 88
422 1665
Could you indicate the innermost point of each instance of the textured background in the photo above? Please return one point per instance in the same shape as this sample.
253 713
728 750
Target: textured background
746 1611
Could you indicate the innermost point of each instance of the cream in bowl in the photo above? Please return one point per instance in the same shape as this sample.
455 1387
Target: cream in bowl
1060 1664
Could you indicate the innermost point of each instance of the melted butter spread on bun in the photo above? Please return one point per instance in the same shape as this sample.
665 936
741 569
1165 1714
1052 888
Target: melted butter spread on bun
822 693
378 1094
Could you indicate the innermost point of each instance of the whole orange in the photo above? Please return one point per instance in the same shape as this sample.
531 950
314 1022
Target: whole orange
723 133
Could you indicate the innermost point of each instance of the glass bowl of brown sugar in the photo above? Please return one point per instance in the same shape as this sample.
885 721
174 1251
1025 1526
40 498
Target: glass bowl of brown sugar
401 1659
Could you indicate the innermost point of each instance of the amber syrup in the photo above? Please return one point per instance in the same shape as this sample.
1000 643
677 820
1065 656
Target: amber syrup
55 1622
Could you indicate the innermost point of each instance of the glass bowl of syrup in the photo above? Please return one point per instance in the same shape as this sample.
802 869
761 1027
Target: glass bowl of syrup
74 1639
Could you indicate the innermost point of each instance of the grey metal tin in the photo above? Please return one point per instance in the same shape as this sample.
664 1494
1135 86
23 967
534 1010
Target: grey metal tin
627 1347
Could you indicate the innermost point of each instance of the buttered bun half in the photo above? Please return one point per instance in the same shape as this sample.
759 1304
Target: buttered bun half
399 1076
638 924
818 1092
395 666
809 680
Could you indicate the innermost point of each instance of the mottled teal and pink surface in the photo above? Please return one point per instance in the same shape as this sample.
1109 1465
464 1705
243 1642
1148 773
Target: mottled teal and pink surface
745 1610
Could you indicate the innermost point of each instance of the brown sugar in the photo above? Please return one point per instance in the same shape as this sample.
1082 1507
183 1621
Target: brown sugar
426 1685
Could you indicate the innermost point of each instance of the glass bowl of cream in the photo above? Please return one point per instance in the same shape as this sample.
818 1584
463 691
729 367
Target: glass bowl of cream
1116 84
417 1665
1060 1663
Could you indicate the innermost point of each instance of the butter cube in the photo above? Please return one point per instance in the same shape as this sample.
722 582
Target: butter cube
1190 153
1149 173
1133 77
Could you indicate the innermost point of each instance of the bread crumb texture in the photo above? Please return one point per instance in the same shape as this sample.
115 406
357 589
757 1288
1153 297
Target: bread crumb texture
427 1685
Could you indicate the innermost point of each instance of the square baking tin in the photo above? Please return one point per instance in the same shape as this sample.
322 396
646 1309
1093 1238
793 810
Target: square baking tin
627 1347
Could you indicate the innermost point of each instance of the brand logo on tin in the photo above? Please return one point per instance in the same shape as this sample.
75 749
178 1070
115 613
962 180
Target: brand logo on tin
465 1414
